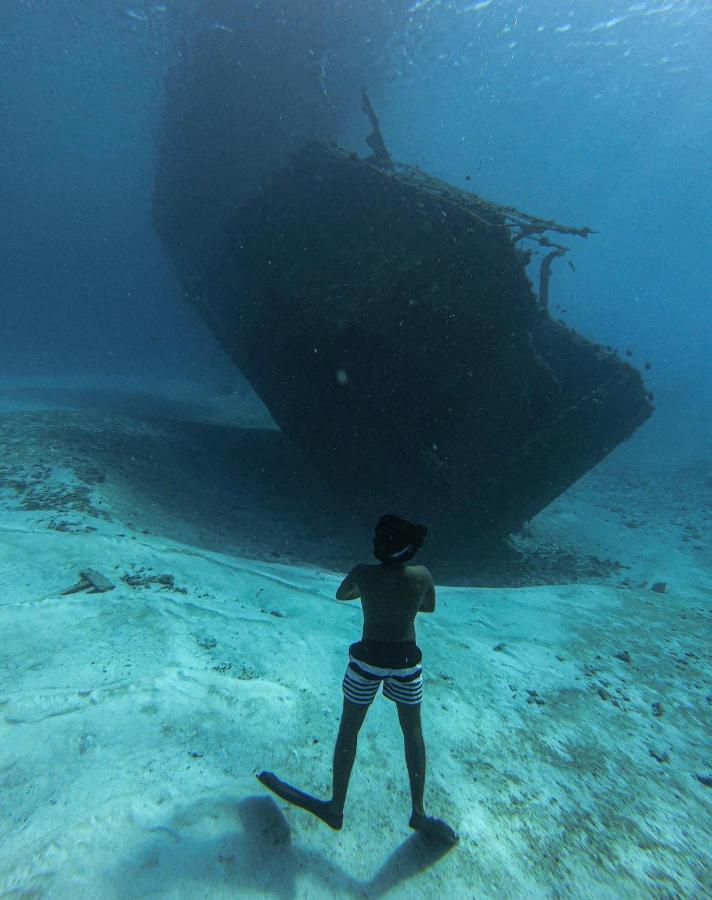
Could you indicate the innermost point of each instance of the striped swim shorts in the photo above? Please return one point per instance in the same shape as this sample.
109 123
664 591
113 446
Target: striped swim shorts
396 665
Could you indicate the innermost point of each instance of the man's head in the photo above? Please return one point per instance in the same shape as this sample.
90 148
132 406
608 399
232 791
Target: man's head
396 540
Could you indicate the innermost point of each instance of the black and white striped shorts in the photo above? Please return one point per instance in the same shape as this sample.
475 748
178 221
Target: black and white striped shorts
363 679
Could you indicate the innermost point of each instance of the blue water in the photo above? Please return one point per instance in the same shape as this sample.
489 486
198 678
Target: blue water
592 113
589 113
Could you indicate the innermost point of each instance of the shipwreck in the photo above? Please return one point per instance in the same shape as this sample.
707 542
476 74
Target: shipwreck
387 321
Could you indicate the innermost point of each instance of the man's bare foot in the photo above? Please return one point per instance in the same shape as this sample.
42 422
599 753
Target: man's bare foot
434 828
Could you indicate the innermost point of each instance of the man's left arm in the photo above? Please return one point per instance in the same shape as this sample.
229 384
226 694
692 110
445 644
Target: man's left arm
349 589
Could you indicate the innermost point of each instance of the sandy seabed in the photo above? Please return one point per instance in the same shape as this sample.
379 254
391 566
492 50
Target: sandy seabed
568 720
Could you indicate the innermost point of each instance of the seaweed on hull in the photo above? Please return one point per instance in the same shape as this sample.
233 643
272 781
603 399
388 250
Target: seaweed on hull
386 320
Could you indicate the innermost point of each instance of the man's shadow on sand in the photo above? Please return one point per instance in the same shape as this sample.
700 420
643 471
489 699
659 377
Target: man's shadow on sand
258 857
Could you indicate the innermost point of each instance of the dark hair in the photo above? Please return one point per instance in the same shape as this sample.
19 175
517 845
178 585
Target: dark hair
396 540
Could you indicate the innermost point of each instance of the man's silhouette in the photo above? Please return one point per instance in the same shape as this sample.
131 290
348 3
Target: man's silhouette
392 594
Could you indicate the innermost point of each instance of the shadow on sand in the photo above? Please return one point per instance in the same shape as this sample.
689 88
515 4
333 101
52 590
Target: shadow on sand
258 857
230 489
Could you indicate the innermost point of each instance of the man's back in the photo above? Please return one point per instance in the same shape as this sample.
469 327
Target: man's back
391 597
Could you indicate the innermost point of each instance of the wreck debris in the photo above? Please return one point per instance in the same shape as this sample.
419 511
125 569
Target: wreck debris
545 275
380 157
522 226
91 581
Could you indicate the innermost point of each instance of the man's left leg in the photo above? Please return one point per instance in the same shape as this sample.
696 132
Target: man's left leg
345 752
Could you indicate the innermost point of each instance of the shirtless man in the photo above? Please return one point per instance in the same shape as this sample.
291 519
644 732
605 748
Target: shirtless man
392 594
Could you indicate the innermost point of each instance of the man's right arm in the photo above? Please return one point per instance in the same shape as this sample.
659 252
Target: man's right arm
427 604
